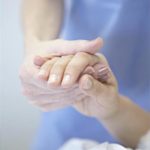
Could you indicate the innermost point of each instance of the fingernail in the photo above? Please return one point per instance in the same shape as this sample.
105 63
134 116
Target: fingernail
99 39
66 79
53 78
103 74
87 84
103 71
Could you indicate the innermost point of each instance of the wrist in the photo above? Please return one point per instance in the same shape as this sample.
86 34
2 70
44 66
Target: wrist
31 44
114 110
30 40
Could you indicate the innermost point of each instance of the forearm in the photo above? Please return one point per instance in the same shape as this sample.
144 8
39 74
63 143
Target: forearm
42 19
129 124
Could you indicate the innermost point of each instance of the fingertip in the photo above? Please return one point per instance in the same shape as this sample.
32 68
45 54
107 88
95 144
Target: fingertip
100 40
85 82
41 76
53 81
95 45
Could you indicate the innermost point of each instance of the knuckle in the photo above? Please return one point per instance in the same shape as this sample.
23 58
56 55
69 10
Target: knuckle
67 57
54 59
59 66
72 69
48 63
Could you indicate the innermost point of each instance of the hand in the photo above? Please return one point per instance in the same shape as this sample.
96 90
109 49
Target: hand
57 69
60 47
36 90
65 71
101 100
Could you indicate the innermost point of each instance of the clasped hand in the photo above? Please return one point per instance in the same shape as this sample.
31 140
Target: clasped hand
75 76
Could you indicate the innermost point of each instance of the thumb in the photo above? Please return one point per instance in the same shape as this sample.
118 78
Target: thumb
61 47
90 86
64 47
72 47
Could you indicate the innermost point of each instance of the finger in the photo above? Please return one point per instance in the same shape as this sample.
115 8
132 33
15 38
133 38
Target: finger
104 72
76 66
39 60
99 71
46 68
73 47
90 86
58 69
64 47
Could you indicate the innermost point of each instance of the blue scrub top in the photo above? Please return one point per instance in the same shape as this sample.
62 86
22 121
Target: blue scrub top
125 27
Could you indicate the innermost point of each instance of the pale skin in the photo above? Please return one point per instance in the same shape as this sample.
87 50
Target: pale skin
114 111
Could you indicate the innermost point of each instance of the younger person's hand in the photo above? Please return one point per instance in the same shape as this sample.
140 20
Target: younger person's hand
60 47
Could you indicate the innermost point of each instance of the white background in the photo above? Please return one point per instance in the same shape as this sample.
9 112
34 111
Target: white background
18 120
